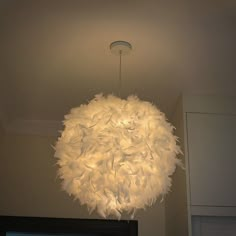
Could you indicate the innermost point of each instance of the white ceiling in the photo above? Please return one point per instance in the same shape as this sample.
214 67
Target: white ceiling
55 54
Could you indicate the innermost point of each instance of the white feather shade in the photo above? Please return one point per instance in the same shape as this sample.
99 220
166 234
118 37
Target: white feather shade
116 155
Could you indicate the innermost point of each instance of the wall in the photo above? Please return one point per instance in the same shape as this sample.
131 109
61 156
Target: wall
2 133
176 212
29 186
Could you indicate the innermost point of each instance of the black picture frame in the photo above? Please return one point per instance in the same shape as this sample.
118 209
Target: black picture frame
63 226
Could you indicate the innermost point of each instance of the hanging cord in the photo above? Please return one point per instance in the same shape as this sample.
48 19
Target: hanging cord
120 80
120 48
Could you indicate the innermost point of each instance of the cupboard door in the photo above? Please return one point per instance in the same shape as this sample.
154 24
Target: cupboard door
212 159
213 226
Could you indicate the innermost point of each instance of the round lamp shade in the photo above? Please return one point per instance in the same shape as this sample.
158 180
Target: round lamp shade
116 155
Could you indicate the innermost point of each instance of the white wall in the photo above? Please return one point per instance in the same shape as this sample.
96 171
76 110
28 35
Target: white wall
29 187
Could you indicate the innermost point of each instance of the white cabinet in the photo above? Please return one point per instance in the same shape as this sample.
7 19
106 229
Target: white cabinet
207 130
212 159
214 226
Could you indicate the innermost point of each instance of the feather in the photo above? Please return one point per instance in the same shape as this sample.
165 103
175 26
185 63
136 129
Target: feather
116 155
